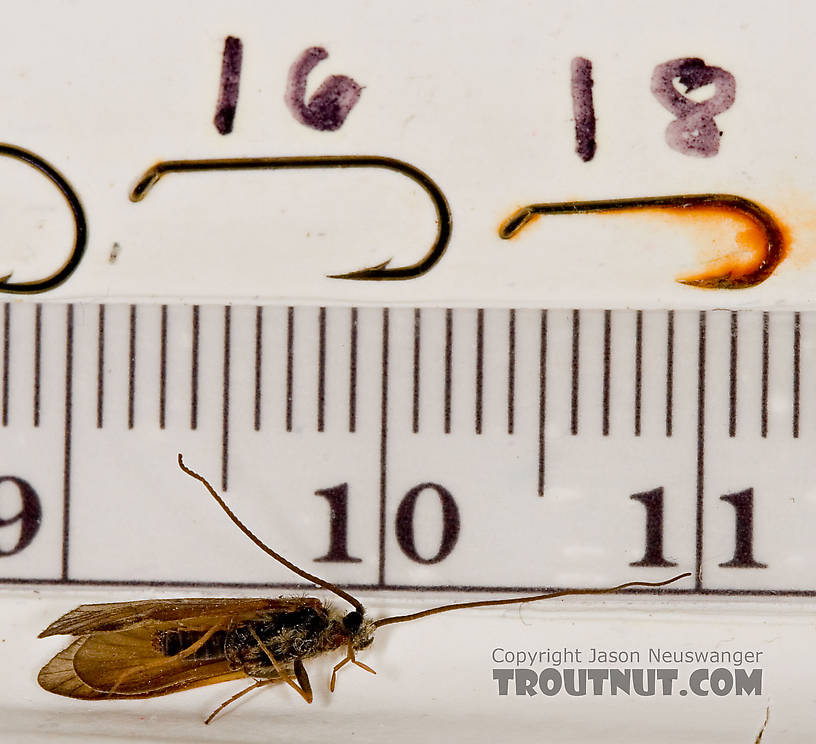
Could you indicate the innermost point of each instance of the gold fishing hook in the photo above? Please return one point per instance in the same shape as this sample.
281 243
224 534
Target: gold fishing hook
379 272
768 251
80 226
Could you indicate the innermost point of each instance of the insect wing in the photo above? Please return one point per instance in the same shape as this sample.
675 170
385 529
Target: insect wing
131 663
119 653
98 618
125 666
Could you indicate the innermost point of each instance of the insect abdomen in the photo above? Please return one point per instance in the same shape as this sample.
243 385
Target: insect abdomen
172 642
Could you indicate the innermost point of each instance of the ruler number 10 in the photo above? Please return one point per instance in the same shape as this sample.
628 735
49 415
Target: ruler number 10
337 496
743 503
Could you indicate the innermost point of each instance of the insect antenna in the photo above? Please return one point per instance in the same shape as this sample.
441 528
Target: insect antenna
266 549
520 600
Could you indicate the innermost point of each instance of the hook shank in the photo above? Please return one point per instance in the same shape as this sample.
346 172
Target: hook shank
378 272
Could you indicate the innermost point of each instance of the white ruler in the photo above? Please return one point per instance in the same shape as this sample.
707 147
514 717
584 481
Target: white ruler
408 449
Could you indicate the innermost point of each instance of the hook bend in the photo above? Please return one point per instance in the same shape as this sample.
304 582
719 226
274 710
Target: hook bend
80 225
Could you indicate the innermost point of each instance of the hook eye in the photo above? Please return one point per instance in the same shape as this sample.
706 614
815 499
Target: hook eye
80 226
379 272
764 240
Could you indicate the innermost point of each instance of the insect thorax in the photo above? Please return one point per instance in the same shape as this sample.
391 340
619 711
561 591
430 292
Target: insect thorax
298 634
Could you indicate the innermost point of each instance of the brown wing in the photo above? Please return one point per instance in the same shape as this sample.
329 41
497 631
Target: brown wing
127 664
96 618
59 676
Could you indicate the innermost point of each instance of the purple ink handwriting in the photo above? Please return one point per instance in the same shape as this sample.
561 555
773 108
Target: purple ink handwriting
694 132
583 108
330 105
230 81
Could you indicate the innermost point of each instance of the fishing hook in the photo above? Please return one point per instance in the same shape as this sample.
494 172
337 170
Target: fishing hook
772 248
378 272
80 226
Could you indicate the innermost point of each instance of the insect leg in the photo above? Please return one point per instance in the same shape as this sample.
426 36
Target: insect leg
305 691
349 658
193 647
259 683
337 668
303 678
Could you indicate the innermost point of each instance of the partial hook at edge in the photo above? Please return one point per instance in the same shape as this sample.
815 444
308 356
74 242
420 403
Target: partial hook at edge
80 226
770 252
380 271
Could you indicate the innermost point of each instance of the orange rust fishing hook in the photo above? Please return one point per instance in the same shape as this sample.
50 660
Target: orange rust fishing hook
80 225
770 251
379 272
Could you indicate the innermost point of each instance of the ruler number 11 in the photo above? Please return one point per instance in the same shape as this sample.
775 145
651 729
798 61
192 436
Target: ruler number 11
337 496
743 503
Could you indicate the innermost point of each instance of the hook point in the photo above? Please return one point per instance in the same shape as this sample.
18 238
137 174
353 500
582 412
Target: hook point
371 272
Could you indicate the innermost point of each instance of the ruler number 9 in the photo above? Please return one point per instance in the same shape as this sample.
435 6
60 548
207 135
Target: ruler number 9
337 496
29 514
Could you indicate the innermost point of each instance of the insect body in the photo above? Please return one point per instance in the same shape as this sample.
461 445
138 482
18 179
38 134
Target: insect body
156 647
